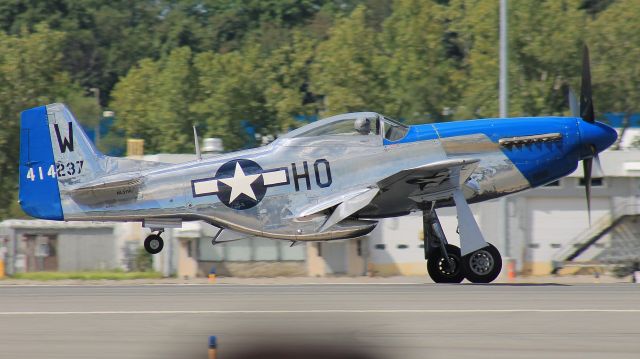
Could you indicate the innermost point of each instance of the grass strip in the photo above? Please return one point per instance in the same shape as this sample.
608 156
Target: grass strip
88 275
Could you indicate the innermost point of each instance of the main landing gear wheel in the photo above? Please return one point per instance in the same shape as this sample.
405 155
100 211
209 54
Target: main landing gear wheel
153 243
443 271
483 265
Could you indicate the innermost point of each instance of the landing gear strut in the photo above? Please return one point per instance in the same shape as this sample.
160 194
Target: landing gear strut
444 262
154 243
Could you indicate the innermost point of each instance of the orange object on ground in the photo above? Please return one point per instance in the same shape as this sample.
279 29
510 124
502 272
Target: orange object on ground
511 269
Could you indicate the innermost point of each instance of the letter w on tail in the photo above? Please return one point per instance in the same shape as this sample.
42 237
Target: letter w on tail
64 142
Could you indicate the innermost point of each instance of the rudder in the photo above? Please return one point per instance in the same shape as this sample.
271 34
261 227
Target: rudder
39 193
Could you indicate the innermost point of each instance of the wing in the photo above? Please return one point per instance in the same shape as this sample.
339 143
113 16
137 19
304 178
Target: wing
425 183
429 182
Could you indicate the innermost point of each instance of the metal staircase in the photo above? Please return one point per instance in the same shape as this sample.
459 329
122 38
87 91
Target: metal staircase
588 249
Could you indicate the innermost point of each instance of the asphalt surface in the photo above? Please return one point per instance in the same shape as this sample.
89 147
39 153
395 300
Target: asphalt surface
321 321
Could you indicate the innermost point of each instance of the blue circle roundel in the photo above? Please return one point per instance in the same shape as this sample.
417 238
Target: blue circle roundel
240 184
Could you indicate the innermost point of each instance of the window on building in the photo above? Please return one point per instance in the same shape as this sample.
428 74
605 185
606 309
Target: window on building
595 182
52 240
402 246
556 245
359 247
379 246
534 245
238 250
265 249
208 252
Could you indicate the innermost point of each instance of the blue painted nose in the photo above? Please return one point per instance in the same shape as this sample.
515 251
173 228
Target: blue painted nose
596 134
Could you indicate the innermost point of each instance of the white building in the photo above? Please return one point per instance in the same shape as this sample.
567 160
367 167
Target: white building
38 245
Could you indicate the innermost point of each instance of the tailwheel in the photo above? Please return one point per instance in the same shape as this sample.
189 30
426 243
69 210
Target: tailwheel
483 265
443 271
153 243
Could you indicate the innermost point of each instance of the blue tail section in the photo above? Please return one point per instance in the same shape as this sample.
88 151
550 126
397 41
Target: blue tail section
39 193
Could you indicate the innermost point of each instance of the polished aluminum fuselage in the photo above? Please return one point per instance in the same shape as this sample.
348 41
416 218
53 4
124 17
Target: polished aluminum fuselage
330 179
167 192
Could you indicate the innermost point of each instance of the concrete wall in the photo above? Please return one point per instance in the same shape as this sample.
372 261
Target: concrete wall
86 249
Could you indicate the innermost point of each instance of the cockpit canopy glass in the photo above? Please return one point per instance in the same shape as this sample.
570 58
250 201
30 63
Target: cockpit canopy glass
354 124
393 130
360 126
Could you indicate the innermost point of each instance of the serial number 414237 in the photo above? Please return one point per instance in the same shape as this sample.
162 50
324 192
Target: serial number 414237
60 170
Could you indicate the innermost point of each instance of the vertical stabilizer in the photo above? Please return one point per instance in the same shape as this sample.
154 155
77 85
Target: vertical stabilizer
57 159
55 154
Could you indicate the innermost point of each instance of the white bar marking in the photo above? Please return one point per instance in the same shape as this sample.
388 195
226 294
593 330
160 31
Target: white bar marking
206 187
275 177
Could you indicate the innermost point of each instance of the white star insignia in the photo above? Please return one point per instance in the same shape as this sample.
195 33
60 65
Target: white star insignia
240 183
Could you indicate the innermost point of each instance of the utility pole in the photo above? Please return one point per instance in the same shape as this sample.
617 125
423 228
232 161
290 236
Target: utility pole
503 103
503 59
96 129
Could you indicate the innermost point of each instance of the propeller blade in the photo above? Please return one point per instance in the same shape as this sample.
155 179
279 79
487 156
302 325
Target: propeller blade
586 166
586 100
573 104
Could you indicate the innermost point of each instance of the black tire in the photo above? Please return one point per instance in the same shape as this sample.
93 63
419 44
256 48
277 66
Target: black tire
483 265
438 268
153 243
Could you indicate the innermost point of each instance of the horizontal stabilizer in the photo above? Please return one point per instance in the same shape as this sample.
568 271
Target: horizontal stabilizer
105 191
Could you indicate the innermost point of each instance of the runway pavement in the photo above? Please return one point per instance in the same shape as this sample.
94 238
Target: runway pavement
321 321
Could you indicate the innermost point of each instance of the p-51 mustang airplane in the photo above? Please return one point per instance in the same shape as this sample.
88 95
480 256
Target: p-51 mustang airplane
327 180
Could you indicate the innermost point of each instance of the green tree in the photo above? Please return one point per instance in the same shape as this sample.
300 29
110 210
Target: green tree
287 90
422 75
615 49
475 24
30 75
349 68
231 95
102 40
544 43
544 69
152 102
